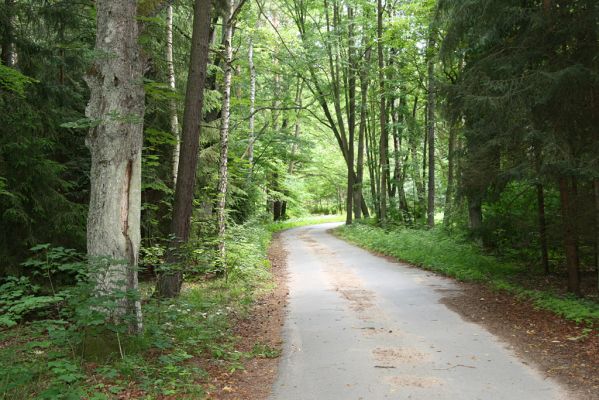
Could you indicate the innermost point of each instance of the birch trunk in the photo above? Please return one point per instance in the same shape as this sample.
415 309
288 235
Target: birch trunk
224 135
170 68
252 137
117 103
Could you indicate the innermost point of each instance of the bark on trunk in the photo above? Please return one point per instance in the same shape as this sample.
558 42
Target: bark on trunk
351 118
224 136
8 55
113 225
361 136
169 284
542 228
382 116
252 137
569 230
431 132
170 70
596 187
447 213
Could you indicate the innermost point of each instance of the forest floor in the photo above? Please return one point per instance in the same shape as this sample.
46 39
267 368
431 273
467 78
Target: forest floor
562 349
262 325
557 348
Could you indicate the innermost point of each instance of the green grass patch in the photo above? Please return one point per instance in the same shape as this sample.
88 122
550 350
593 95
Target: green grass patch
434 250
305 221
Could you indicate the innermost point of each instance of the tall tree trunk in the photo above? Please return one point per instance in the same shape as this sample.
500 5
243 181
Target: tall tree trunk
542 227
169 284
170 70
431 130
570 239
475 214
252 137
8 55
113 224
224 135
351 116
596 187
449 193
382 116
361 134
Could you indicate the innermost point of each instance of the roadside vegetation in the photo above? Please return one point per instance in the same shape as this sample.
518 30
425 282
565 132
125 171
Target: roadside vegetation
456 257
57 349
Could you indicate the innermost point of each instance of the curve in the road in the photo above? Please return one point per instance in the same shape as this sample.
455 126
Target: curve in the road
362 327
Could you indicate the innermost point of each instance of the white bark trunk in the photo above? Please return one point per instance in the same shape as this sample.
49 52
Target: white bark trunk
170 68
252 104
117 104
224 135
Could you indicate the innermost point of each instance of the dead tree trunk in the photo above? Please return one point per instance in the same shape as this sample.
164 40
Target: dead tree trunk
169 284
117 102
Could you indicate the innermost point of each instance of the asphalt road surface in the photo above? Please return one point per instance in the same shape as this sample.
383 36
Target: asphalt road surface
362 327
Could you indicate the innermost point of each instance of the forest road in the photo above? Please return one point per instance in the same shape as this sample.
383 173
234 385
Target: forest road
362 327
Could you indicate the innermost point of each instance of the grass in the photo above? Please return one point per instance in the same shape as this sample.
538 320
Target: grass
304 221
434 250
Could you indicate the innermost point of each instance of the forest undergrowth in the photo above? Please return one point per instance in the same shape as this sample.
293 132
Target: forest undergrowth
437 251
51 348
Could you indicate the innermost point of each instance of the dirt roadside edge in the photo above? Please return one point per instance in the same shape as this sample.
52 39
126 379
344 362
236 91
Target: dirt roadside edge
263 325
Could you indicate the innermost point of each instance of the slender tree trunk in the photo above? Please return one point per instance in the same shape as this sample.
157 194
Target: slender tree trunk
252 137
542 227
449 193
570 235
113 224
169 284
170 69
596 187
351 116
361 134
8 55
382 117
224 136
431 131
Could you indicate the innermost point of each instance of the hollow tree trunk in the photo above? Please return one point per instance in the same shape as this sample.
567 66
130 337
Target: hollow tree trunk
569 230
170 71
113 224
169 284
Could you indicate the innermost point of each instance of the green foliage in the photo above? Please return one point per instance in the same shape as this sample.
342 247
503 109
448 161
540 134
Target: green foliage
12 80
436 251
